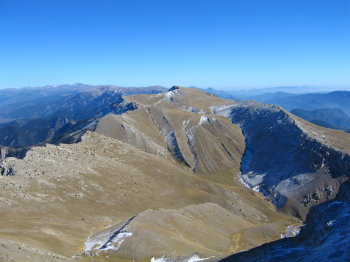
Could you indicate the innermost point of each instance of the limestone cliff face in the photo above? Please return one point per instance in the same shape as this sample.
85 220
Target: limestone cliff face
286 159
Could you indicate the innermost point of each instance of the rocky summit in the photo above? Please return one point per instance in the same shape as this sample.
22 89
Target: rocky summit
174 175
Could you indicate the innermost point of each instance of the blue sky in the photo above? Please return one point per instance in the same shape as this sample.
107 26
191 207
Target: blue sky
218 43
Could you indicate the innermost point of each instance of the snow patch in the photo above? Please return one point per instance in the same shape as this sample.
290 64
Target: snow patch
117 241
170 94
107 243
252 180
222 110
91 244
203 120
244 182
256 188
194 258
291 231
160 259
185 122
108 240
330 223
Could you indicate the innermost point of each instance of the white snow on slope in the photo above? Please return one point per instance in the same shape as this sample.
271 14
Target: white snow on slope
203 120
291 231
222 110
107 241
170 94
117 241
330 223
194 258
91 244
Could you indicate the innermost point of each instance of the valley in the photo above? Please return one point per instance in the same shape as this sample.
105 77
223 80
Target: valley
180 174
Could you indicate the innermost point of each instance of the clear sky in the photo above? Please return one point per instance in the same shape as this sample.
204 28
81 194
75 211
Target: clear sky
217 43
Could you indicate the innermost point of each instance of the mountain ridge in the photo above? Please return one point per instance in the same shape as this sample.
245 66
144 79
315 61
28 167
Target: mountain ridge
178 158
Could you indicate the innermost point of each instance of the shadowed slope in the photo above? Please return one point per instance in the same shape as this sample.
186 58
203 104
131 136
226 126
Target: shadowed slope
289 160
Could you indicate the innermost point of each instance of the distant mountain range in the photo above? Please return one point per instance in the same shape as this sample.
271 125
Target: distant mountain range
327 117
251 92
30 116
37 102
330 109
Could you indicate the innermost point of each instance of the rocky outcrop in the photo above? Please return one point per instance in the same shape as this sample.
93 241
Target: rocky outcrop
5 168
